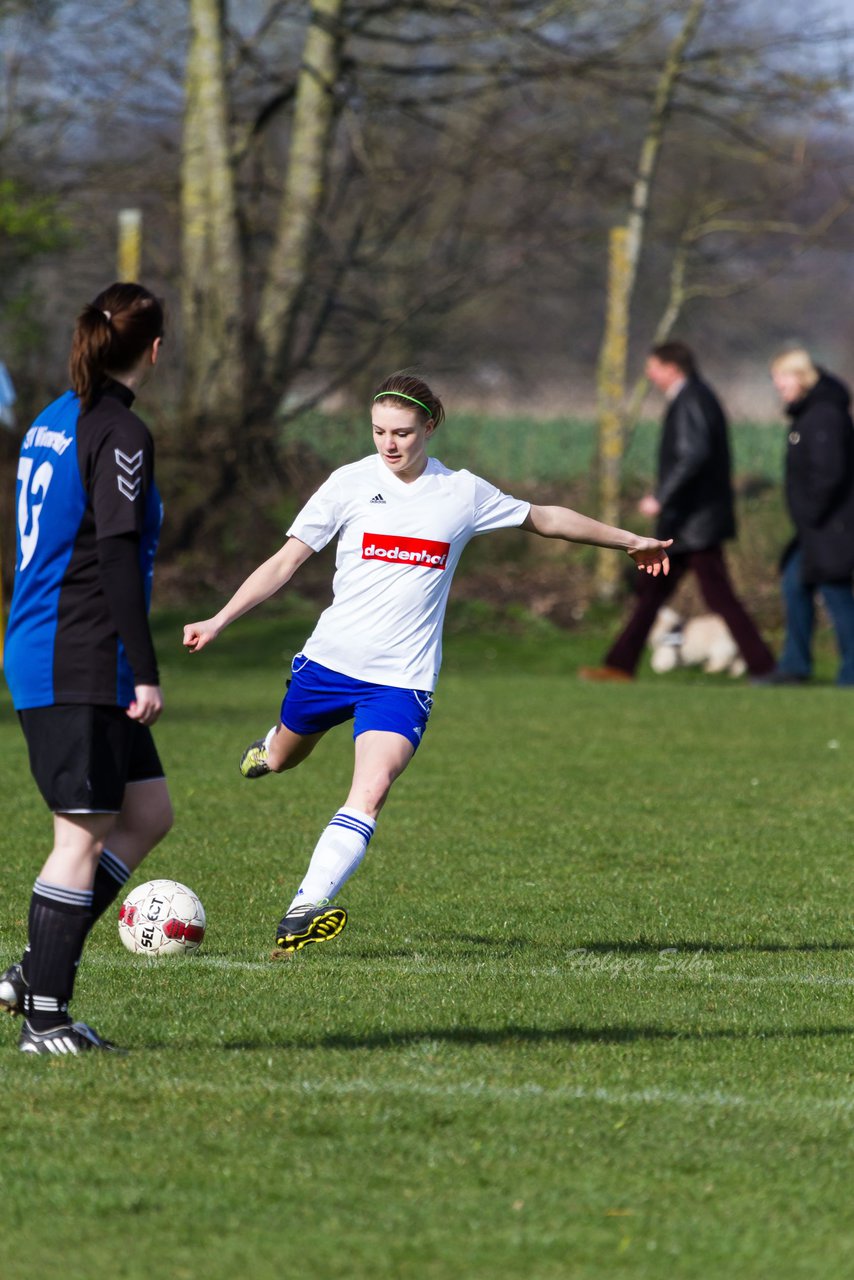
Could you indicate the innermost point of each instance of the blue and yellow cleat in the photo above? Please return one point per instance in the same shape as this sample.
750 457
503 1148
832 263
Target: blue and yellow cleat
310 922
253 762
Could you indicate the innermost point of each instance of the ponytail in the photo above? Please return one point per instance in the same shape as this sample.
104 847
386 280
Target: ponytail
111 335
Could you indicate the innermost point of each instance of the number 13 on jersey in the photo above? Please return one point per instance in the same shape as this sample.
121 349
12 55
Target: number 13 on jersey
31 498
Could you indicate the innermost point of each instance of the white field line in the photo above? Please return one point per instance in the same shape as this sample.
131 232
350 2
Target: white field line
784 1107
604 967
651 1096
480 1091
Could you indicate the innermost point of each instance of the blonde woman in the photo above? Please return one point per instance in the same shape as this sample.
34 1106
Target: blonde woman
820 498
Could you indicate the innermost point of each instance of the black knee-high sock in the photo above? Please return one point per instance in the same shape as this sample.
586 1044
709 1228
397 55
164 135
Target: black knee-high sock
111 875
60 918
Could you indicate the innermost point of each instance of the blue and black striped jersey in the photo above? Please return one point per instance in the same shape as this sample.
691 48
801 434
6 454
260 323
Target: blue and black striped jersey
81 478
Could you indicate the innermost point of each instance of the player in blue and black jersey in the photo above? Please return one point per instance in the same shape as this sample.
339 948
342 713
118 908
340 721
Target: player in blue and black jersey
79 657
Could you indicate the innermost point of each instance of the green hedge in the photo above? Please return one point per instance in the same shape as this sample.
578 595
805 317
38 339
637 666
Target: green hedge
529 450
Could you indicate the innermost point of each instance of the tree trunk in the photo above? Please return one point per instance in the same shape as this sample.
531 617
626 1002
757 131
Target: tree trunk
212 276
611 387
304 187
626 245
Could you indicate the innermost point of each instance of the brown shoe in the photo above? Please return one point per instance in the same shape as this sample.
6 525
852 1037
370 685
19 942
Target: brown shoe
603 675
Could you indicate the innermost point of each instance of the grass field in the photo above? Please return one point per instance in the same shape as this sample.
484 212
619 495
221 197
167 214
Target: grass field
532 450
593 1015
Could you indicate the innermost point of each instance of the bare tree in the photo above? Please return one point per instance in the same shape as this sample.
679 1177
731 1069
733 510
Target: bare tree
371 229
304 187
345 185
625 246
725 95
212 284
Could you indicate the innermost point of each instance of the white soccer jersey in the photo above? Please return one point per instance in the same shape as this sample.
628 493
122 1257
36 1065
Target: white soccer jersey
398 547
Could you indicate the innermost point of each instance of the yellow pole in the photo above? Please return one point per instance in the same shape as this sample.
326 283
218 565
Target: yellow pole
611 388
130 244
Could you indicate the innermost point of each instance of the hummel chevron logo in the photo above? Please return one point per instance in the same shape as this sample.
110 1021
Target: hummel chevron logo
129 488
129 462
378 498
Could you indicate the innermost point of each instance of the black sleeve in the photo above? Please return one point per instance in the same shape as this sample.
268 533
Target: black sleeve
121 581
693 450
121 473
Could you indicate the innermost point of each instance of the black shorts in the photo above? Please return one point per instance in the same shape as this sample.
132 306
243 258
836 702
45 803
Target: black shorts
82 757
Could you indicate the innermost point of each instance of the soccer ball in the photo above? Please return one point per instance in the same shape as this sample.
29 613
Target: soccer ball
161 918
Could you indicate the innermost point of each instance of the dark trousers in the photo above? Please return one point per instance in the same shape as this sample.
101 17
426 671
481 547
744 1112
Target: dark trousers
710 568
796 659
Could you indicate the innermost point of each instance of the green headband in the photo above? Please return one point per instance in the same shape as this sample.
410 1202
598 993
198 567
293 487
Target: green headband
404 396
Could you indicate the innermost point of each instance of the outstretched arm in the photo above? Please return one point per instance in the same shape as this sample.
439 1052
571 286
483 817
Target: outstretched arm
649 554
267 579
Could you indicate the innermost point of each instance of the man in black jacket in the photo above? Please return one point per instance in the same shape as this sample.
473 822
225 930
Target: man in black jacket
820 498
693 504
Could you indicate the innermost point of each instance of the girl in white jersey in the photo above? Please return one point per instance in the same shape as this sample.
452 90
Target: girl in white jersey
402 520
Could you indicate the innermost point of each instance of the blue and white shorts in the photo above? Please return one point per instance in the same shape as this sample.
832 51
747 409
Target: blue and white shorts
318 698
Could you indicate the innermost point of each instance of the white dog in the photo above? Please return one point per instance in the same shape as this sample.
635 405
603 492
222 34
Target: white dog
694 642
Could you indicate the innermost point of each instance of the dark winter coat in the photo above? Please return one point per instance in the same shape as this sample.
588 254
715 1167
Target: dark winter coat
694 482
820 481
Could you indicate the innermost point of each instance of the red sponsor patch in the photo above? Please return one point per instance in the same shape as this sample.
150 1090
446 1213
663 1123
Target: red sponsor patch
399 550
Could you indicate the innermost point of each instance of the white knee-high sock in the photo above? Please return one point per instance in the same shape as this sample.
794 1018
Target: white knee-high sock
336 856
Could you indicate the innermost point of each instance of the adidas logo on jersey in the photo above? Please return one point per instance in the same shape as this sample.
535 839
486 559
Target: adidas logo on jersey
378 498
